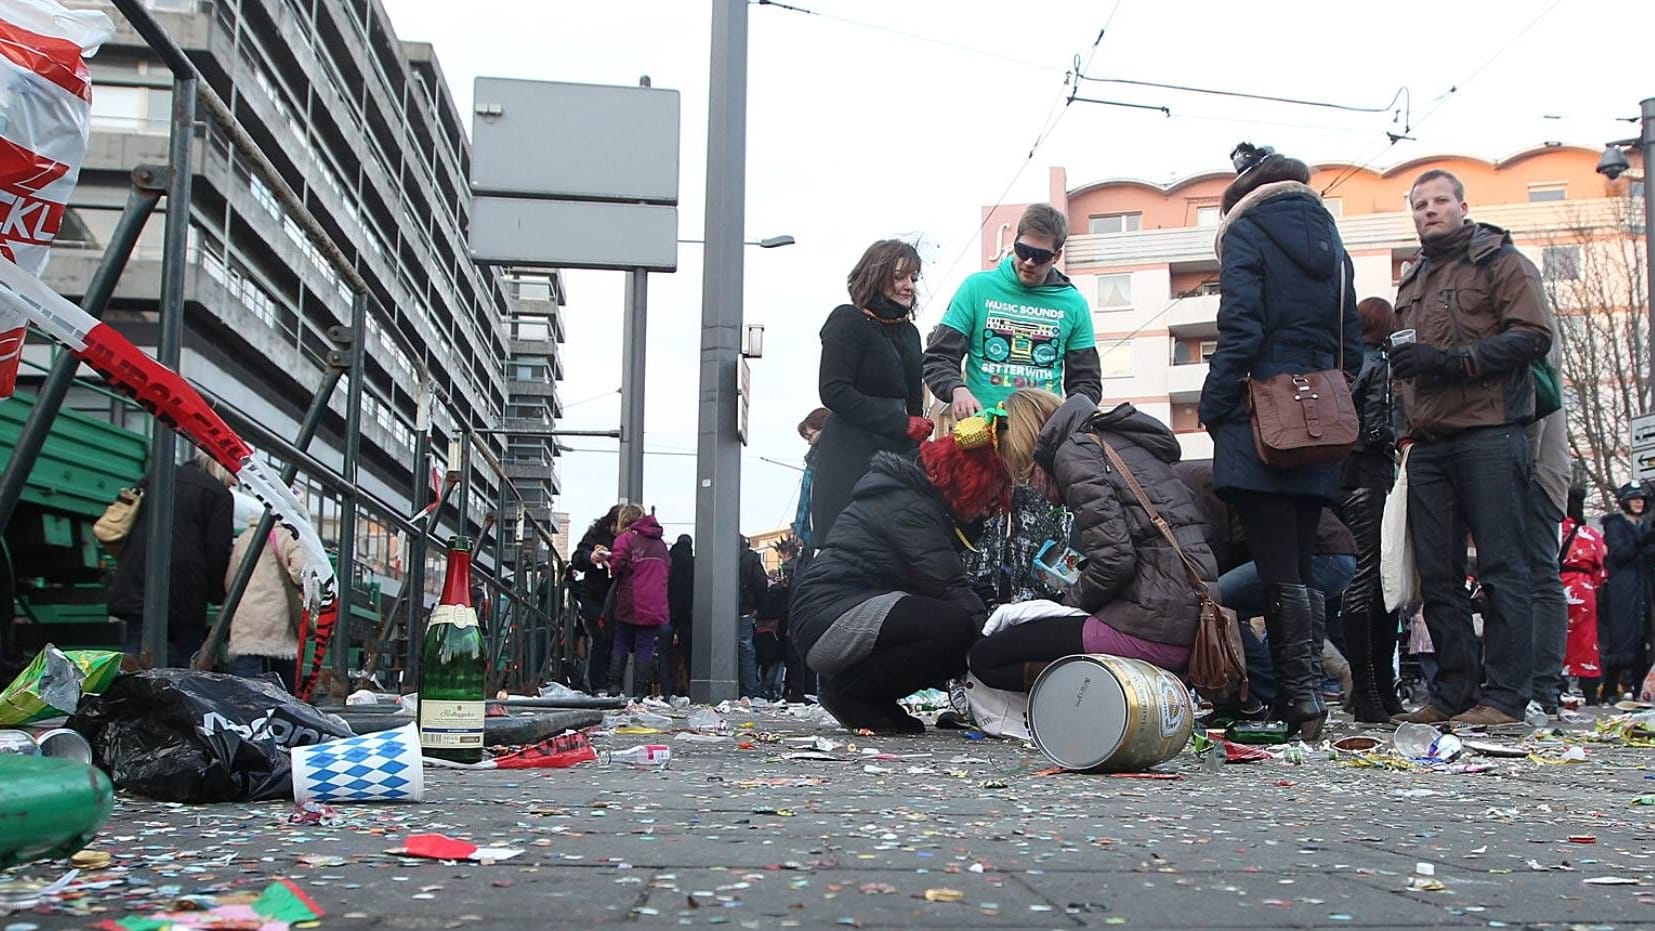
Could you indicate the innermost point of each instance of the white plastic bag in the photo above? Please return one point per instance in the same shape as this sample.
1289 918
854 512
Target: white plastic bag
1398 574
45 119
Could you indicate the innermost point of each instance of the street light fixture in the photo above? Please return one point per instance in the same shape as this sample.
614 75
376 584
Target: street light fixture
1612 165
769 242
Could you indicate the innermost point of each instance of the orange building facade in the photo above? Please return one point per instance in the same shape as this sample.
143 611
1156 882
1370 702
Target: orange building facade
1143 253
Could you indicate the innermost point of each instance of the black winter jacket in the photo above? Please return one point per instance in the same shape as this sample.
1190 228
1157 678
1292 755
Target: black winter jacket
1280 256
870 379
681 582
1133 580
754 582
1372 464
897 535
203 521
594 579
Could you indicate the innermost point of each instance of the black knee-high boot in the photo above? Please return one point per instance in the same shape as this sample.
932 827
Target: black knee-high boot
1295 651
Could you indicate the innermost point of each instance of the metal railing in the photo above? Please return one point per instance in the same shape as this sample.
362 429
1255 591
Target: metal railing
537 640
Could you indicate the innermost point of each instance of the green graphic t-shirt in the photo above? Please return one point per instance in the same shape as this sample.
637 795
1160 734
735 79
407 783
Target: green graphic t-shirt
1018 336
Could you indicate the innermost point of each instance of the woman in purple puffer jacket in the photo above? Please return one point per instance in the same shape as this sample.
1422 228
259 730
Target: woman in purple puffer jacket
640 565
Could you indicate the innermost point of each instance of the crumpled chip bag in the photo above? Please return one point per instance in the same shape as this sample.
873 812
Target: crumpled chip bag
51 685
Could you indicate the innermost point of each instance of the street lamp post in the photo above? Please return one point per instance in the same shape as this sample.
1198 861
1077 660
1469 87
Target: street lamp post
633 328
1612 165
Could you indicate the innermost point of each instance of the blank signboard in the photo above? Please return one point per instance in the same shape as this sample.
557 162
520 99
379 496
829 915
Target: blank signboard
574 141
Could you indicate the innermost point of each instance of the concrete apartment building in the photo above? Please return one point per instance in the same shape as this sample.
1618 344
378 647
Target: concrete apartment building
362 126
1143 254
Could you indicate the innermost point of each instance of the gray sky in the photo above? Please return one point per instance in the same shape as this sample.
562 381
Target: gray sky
904 117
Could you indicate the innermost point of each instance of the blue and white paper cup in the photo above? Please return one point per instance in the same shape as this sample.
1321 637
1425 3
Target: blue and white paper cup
384 766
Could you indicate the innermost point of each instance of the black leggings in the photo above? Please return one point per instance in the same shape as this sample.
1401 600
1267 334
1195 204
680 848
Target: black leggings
998 660
922 643
1281 534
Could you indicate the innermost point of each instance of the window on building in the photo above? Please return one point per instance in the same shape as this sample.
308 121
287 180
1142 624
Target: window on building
1551 190
1334 205
1114 292
1116 359
1113 222
132 109
1186 418
1207 216
1560 263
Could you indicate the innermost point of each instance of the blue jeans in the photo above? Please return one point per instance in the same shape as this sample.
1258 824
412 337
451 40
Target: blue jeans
602 644
748 655
663 660
1242 591
1475 484
1551 612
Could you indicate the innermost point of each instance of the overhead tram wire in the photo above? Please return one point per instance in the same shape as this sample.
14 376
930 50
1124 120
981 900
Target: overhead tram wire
1048 126
1442 99
917 37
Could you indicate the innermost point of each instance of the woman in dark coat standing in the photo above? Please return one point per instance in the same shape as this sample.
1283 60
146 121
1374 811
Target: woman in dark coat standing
203 530
1370 630
885 608
1133 587
1283 278
1623 602
869 378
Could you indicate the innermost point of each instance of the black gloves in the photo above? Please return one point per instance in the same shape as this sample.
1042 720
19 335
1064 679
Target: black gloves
1412 360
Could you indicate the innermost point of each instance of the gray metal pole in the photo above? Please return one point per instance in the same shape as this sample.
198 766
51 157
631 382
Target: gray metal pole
267 522
140 203
160 496
718 449
496 628
464 499
348 501
414 578
1648 144
634 326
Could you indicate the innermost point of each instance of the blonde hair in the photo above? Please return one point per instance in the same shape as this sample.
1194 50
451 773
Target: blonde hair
1027 410
208 464
628 515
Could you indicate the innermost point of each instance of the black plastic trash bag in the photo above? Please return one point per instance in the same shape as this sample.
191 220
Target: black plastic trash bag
177 735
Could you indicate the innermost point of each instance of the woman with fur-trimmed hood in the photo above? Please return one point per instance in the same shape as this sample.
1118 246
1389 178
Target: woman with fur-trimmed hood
1284 277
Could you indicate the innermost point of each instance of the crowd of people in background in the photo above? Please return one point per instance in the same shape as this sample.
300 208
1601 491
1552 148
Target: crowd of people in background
972 507
918 557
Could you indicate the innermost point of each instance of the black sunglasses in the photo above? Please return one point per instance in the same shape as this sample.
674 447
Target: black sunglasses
1033 254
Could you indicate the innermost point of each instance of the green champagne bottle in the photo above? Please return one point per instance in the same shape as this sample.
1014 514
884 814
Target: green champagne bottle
451 668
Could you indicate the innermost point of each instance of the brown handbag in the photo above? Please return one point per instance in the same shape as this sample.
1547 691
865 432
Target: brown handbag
1308 418
1217 662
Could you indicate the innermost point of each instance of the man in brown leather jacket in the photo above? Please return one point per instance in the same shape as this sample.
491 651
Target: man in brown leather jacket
1480 316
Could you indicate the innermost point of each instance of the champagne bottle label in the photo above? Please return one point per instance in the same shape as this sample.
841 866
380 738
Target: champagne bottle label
461 616
451 724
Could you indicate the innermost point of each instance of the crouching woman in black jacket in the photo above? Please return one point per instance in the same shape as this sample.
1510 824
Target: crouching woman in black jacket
885 609
1132 595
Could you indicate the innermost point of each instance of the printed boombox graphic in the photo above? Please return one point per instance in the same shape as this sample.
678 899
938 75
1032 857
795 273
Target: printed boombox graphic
1024 342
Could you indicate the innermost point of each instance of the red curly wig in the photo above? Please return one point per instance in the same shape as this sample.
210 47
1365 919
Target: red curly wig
971 480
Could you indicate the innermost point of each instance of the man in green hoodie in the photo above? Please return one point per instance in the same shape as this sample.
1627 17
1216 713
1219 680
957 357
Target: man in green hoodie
1021 324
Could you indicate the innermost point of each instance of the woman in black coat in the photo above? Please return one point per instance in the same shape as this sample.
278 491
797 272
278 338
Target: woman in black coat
1284 277
869 378
885 608
1370 630
591 559
203 530
1623 602
1133 591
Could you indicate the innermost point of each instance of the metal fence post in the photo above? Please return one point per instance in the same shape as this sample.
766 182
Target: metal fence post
161 494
